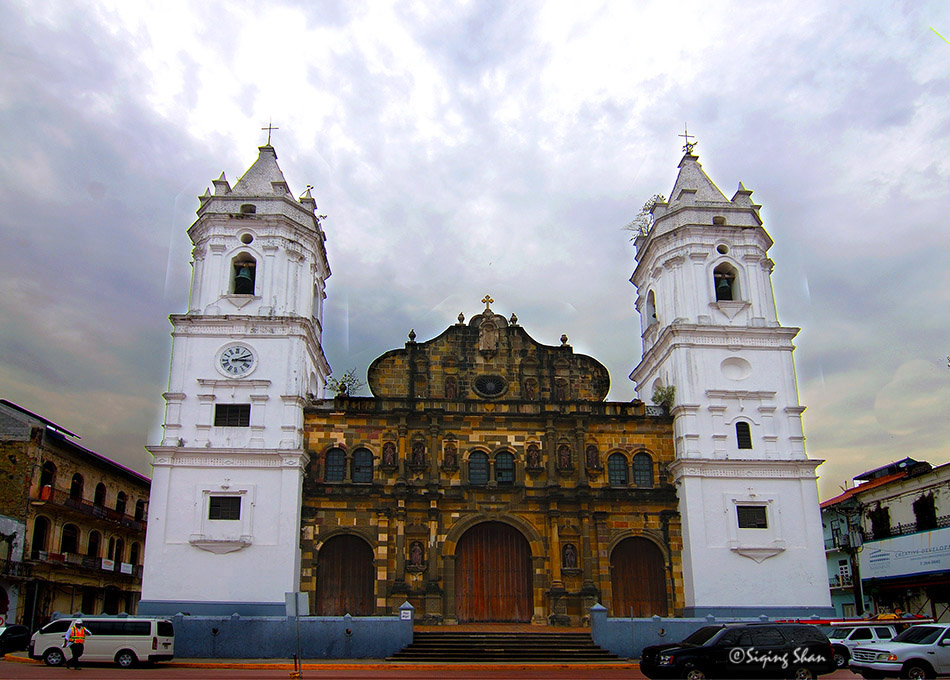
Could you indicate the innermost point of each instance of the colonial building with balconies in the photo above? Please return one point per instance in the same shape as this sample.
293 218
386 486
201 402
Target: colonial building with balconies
72 523
888 537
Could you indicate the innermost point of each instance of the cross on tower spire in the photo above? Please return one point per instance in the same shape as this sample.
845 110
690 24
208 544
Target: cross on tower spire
487 300
269 128
688 146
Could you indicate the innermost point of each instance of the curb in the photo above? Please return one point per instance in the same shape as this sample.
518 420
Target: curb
372 666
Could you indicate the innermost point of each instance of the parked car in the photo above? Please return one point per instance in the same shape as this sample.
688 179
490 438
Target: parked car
14 638
751 650
921 651
844 639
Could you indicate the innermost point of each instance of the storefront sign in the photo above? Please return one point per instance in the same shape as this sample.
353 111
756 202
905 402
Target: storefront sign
921 553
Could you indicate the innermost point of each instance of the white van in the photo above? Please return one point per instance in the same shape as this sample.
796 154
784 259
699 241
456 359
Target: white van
125 640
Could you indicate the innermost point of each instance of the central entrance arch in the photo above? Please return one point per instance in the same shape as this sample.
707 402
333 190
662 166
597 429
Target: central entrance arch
493 575
345 577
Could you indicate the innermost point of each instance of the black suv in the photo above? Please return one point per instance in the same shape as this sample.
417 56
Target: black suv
752 650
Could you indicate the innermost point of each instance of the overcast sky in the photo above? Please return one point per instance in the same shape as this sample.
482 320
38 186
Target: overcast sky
460 149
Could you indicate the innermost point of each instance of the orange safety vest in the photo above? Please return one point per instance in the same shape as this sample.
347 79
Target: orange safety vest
77 635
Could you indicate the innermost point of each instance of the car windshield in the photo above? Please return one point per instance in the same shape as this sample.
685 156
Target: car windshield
920 635
839 633
702 636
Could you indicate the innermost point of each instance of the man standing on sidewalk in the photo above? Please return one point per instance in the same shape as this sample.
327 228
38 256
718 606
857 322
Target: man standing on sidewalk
75 640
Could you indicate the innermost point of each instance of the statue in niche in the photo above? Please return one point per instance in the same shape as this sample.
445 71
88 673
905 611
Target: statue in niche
534 456
564 456
418 453
530 390
389 453
560 390
451 388
415 554
451 456
570 556
487 337
593 459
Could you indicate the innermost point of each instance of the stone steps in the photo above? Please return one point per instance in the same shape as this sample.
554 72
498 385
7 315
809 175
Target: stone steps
513 647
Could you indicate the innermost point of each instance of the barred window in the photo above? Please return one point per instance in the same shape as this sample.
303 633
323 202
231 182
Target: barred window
362 466
232 415
643 470
752 517
505 468
336 460
224 507
743 435
617 469
478 468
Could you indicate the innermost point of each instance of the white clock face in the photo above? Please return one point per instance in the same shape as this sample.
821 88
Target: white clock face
237 360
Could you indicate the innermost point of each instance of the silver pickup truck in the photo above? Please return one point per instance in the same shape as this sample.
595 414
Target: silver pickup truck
919 652
845 639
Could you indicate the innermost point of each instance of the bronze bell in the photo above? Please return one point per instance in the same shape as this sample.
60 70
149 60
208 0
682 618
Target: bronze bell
244 281
724 289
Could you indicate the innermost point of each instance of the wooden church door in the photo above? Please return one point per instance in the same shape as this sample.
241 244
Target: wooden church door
637 579
345 578
493 575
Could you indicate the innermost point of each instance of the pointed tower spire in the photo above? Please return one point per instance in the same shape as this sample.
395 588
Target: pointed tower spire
693 184
264 177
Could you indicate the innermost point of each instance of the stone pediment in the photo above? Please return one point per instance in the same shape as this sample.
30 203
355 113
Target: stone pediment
488 359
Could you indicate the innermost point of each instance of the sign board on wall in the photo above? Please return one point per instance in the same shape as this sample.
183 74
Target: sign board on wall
921 553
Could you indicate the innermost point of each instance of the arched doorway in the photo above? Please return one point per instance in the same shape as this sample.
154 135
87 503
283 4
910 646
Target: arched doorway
637 579
493 575
345 577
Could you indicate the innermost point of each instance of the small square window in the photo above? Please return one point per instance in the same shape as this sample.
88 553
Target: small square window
232 415
224 507
752 517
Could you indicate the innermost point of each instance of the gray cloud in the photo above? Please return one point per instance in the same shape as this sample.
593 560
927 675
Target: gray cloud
494 148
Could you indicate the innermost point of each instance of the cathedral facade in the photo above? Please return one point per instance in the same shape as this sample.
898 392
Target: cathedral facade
487 479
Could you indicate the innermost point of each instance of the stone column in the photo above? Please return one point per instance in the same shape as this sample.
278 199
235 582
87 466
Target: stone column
401 454
434 450
557 594
433 609
382 561
399 586
579 443
556 581
550 452
589 592
601 558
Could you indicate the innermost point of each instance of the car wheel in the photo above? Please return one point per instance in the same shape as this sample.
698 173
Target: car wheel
126 658
917 671
694 673
803 673
54 657
841 658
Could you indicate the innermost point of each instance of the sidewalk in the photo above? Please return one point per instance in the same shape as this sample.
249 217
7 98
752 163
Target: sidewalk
350 664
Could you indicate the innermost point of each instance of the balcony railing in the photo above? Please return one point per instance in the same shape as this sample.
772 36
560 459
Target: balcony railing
15 569
910 528
89 563
840 581
63 499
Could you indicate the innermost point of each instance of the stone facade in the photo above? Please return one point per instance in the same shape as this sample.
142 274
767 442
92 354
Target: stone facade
484 426
72 523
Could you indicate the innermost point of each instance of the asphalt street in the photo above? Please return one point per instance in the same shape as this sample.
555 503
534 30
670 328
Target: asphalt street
14 669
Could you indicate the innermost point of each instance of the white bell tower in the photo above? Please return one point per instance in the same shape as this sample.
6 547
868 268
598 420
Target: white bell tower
747 492
224 513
